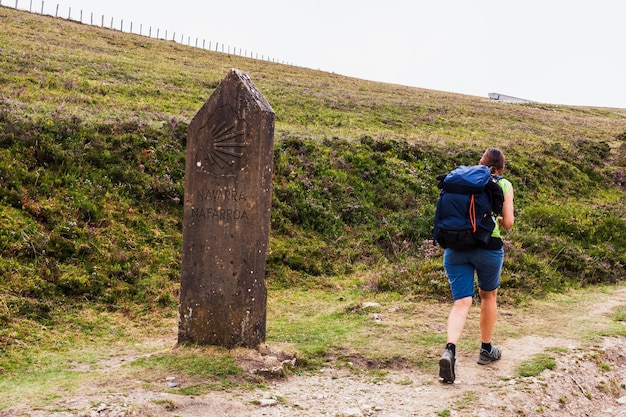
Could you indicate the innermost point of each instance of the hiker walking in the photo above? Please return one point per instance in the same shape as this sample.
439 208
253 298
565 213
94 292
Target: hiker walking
484 260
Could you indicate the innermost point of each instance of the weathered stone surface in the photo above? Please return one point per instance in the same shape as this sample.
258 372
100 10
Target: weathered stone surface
226 219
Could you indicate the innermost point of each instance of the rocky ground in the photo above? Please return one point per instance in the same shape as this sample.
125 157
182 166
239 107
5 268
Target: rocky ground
584 383
587 381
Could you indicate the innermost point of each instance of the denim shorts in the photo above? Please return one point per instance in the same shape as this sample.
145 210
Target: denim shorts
461 265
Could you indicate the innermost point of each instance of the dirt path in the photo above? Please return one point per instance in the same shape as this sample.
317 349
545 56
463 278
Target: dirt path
587 380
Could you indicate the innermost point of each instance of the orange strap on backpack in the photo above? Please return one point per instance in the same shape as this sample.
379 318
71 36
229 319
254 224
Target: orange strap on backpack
472 214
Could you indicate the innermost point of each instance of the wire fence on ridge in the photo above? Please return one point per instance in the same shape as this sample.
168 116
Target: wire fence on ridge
119 25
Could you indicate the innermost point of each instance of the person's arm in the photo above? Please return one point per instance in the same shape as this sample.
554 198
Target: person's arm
508 216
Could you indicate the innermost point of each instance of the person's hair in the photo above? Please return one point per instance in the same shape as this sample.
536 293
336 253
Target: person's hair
494 159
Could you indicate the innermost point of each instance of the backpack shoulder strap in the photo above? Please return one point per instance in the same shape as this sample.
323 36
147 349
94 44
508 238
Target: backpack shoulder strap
496 194
440 179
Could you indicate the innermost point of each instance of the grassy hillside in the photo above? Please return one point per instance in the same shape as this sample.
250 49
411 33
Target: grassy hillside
92 145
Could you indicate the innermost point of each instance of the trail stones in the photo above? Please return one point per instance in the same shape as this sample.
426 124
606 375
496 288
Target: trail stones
227 217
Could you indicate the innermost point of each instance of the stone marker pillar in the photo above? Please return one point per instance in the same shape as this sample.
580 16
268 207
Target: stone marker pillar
226 220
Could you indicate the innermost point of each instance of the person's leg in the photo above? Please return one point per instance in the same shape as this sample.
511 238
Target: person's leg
460 273
461 277
488 314
488 268
457 318
456 323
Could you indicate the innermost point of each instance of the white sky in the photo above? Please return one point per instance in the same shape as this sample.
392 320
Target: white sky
552 51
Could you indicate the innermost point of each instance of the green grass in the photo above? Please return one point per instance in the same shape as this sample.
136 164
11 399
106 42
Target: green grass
536 365
619 314
203 371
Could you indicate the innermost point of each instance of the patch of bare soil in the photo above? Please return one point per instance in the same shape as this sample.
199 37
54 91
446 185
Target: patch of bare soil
587 381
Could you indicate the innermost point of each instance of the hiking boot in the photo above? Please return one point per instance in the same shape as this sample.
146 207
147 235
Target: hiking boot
485 358
446 366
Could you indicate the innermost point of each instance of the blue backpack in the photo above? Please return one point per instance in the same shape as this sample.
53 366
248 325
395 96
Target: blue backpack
470 197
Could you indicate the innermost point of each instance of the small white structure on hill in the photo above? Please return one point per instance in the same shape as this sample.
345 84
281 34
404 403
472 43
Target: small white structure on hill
507 99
